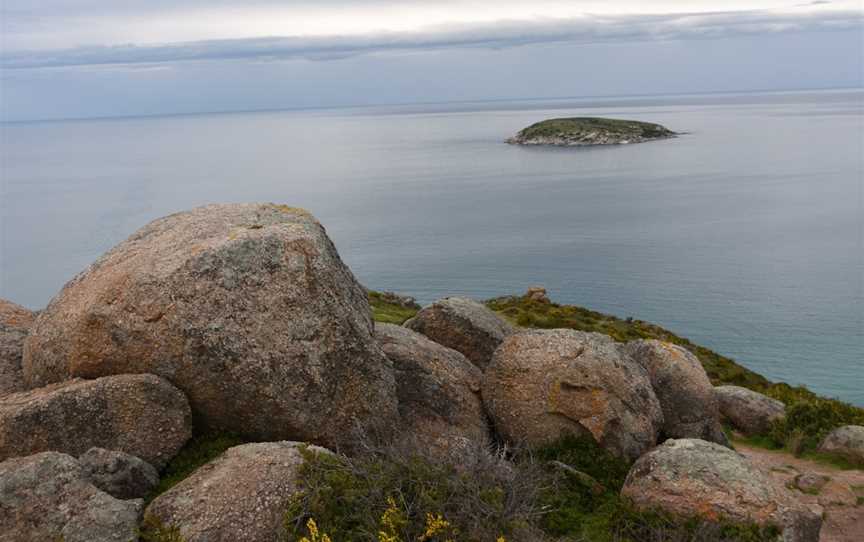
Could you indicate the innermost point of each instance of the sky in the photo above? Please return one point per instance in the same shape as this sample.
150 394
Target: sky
94 58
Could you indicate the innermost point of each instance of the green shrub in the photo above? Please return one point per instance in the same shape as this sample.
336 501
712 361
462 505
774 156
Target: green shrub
809 421
480 499
574 509
153 530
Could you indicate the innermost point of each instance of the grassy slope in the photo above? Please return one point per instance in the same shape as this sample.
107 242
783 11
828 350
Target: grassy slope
579 125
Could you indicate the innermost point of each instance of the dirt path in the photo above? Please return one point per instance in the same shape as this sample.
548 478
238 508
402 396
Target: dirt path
843 517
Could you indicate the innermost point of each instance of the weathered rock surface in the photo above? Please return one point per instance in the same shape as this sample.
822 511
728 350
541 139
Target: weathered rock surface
695 478
846 442
247 308
464 325
541 384
438 391
690 408
15 322
748 411
47 497
241 495
119 474
142 415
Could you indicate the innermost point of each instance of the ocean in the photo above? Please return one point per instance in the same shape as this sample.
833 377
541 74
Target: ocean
745 235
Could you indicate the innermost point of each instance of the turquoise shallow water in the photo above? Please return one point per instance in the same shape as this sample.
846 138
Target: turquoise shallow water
744 235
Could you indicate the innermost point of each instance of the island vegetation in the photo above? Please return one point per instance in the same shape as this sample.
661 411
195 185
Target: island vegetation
582 131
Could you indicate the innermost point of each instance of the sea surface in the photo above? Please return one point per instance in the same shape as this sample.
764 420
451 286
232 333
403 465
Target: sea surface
744 235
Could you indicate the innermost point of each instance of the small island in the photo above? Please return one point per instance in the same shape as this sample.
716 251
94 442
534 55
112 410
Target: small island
582 131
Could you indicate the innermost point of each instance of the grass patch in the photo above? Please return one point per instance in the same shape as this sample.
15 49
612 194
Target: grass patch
388 312
199 450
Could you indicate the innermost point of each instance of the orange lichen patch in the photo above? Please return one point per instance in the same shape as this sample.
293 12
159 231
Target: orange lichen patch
672 349
581 404
707 511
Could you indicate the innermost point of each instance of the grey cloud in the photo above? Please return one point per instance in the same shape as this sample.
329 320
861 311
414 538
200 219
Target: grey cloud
596 29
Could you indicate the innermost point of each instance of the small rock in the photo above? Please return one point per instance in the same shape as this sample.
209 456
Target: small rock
690 408
464 325
47 497
837 494
142 415
240 495
810 482
438 391
538 294
15 323
748 411
119 474
847 442
542 384
695 478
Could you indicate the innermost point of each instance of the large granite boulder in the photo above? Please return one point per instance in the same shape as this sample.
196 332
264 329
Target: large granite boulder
847 442
695 478
748 411
685 393
464 325
247 308
47 497
438 391
15 322
240 495
119 474
542 384
142 415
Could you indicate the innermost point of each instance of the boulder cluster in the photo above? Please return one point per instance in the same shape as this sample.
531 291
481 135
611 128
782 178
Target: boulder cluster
244 318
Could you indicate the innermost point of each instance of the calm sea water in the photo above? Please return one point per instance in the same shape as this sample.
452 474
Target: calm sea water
744 235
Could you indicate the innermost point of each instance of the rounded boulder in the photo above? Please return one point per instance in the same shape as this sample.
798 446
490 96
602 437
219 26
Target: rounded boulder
247 308
142 415
47 497
542 384
464 325
847 442
15 323
696 478
241 495
690 408
438 391
750 412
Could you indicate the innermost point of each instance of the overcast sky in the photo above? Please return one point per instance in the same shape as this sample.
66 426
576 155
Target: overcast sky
80 58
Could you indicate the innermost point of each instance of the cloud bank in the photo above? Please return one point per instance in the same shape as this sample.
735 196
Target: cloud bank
586 29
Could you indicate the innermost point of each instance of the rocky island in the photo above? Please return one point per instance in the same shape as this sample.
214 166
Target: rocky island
584 131
222 375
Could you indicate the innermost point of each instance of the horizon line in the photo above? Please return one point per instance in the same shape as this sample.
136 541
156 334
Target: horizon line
427 103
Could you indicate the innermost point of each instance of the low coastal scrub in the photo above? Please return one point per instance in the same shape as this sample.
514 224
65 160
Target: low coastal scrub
566 491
